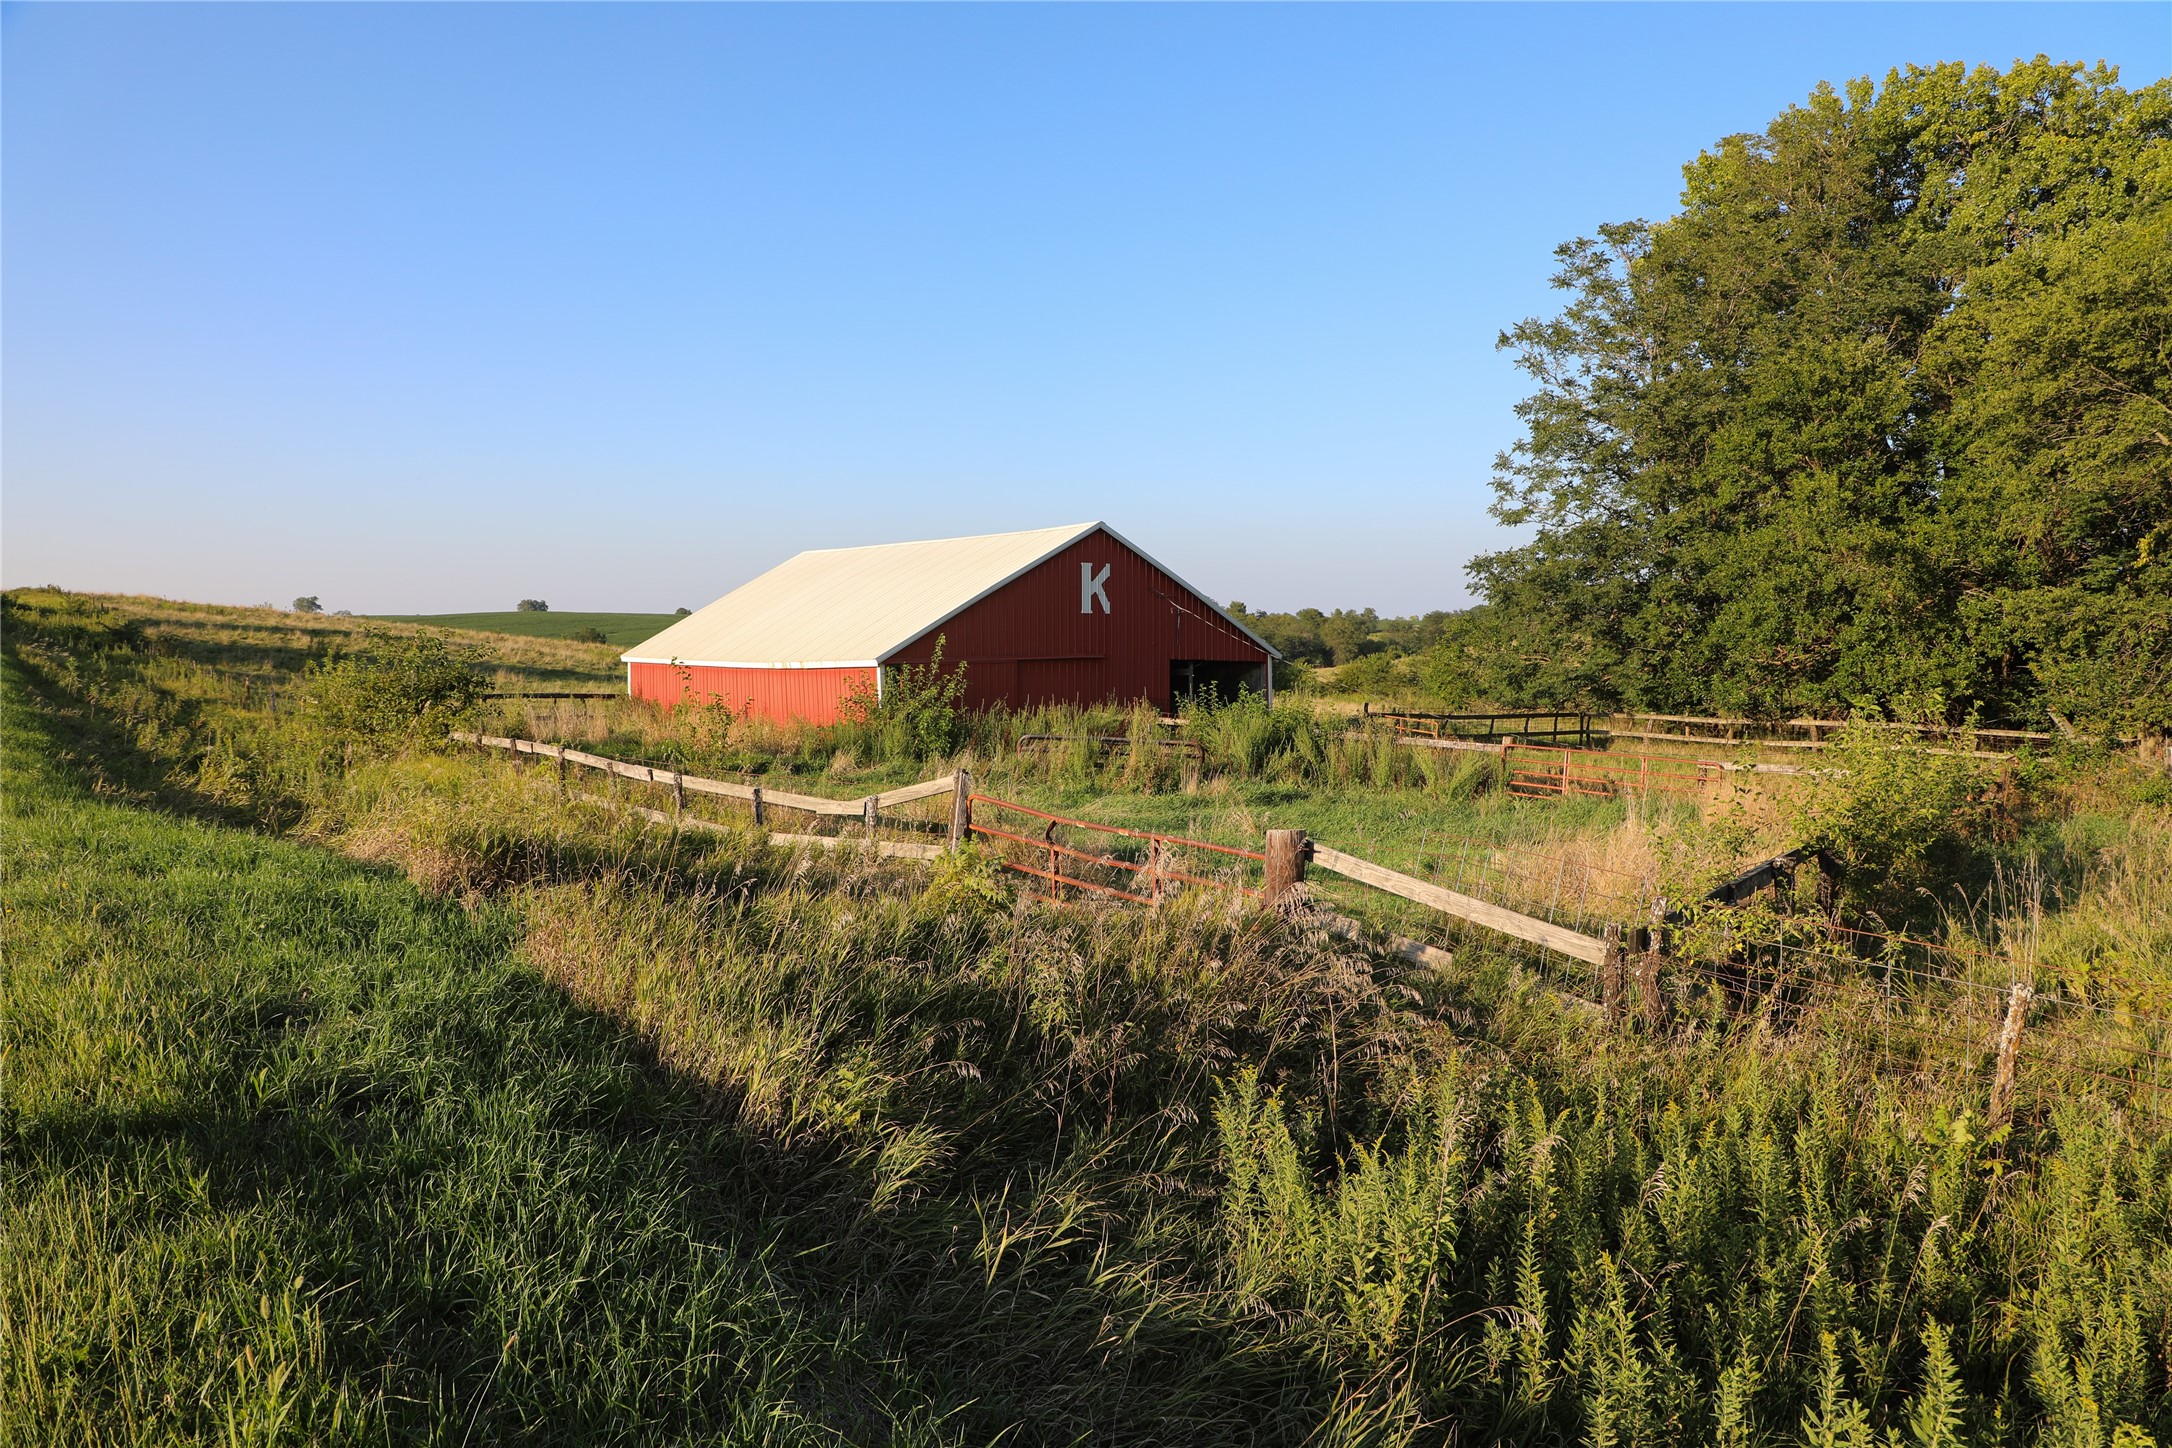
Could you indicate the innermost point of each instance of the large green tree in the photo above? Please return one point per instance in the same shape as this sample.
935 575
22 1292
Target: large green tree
1883 414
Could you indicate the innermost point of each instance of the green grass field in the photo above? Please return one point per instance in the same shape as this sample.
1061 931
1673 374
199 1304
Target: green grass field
619 629
362 1091
361 1177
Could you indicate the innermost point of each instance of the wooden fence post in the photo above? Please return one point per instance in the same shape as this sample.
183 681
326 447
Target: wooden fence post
757 803
1828 889
867 812
1285 864
678 792
1651 1005
2002 1080
1610 972
961 810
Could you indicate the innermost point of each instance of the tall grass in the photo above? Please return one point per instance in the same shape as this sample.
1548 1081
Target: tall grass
509 1118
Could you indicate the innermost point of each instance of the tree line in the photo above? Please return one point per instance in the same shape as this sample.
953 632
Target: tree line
1882 416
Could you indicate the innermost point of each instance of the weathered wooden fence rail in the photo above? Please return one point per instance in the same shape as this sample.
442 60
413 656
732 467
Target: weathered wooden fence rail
554 694
893 849
1470 908
1799 733
867 807
1488 728
1585 730
1619 772
1192 747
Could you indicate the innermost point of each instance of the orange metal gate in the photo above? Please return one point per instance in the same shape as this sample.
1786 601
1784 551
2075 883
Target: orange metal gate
1154 863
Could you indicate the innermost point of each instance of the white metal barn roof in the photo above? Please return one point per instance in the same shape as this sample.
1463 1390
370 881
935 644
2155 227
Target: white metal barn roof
844 607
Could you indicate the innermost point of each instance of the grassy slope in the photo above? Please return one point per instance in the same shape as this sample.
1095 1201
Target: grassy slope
358 1172
619 629
234 1064
293 1152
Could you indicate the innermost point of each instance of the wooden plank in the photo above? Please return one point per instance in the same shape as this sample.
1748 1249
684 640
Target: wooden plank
722 788
906 794
654 816
1707 739
1415 742
531 694
648 774
1750 880
892 849
1417 952
1464 907
811 803
814 803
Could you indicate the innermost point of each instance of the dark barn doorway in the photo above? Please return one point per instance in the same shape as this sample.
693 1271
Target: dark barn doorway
1218 679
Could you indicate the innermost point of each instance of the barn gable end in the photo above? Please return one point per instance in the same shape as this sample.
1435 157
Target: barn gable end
1097 619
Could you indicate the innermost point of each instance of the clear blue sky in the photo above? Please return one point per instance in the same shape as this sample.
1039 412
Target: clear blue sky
422 308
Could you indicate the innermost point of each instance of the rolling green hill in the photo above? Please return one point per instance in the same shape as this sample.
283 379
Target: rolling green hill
618 628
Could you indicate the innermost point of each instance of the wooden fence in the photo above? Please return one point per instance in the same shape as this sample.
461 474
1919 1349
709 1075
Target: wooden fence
1879 977
1151 865
1587 730
868 809
1800 733
1552 725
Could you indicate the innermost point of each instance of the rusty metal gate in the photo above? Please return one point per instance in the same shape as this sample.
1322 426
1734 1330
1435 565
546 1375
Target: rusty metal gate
1150 867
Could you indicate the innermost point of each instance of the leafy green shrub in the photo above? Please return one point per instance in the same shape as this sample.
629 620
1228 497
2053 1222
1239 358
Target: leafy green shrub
915 715
1895 815
1373 674
401 688
967 882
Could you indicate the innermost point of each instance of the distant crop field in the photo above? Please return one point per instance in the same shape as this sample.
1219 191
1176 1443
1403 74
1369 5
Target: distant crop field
617 628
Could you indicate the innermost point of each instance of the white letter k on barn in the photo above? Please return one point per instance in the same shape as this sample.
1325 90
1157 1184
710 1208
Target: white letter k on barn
1092 585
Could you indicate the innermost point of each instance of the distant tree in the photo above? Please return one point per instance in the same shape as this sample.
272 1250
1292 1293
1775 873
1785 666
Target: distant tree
589 634
308 605
533 605
681 613
1348 633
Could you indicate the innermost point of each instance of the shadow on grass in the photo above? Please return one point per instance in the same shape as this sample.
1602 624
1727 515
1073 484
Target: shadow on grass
505 1216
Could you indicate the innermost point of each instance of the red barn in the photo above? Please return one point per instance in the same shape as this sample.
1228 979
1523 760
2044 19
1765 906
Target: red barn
1072 615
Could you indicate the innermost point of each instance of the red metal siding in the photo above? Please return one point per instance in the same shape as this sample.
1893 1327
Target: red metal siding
1028 642
780 695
